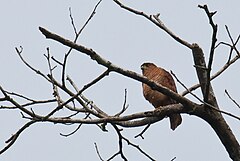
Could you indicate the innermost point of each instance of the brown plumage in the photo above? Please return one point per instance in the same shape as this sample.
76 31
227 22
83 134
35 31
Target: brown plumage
157 99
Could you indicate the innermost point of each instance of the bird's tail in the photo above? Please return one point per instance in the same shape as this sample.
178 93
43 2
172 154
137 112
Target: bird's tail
175 120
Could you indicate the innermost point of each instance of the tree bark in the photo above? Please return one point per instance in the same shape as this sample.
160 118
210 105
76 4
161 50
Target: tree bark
213 117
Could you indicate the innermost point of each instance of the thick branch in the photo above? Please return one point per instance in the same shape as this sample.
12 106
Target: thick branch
111 67
201 70
215 118
138 119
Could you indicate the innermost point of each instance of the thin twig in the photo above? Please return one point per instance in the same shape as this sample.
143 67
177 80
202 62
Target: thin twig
57 61
74 96
88 102
101 76
173 158
72 21
113 156
205 103
218 73
36 102
155 19
138 148
19 52
77 34
120 144
125 105
16 104
143 131
212 49
54 87
32 101
89 18
182 84
233 43
235 102
15 136
98 153
73 132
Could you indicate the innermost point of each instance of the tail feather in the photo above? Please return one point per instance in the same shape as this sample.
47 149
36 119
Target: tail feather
175 120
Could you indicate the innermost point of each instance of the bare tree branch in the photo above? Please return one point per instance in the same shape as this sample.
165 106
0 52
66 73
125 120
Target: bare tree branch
173 158
235 102
205 103
89 113
212 50
155 19
218 73
138 148
125 105
30 100
19 52
77 34
72 21
15 136
111 67
16 104
120 144
143 131
96 147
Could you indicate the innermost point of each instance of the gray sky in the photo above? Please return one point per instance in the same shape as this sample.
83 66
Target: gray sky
127 40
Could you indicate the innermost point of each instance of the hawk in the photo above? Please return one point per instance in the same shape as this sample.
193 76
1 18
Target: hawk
157 99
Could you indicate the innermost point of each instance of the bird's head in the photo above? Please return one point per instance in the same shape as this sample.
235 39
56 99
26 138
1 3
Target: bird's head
146 66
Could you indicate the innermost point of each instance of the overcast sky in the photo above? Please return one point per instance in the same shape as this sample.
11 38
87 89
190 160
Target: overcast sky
126 40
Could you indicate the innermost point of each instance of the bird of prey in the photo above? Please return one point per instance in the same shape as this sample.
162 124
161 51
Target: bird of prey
157 99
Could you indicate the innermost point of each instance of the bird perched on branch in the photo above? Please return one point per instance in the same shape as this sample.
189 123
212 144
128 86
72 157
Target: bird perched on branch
157 99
